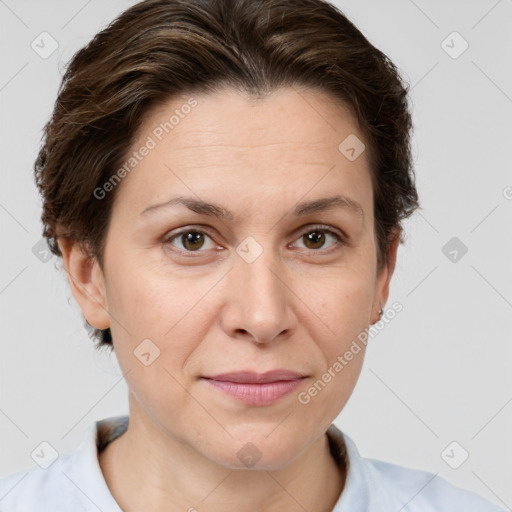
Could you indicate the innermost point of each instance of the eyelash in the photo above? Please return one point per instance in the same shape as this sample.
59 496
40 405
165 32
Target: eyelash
319 228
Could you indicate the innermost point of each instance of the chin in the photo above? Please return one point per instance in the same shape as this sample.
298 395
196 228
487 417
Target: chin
258 452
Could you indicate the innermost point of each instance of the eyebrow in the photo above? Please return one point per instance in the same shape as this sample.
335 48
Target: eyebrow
304 208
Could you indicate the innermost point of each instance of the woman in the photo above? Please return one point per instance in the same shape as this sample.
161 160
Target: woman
225 182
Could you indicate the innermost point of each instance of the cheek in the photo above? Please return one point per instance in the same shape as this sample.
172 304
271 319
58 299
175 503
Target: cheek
341 301
160 315
149 301
344 308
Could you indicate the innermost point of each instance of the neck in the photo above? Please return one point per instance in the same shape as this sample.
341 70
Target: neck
145 468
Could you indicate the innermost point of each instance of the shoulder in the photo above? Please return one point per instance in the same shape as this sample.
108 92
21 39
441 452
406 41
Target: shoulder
378 486
72 482
423 491
38 489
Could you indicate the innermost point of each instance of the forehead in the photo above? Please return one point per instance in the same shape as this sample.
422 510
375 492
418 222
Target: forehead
288 140
308 113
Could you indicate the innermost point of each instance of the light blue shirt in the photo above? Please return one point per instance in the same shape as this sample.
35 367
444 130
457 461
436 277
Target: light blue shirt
74 482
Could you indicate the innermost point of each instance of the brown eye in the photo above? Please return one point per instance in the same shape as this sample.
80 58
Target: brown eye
191 240
315 239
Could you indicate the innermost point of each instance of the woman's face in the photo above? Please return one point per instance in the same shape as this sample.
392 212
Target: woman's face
190 293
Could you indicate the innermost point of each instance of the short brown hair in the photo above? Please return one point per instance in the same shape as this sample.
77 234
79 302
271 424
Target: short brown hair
159 48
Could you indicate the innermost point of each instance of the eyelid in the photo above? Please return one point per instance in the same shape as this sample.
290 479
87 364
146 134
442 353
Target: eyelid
322 227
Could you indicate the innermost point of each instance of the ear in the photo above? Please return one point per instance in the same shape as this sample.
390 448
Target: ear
384 278
86 281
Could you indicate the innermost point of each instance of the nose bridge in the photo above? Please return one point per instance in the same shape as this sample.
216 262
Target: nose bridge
261 304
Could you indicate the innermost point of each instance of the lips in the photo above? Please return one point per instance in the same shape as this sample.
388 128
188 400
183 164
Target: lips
256 388
248 377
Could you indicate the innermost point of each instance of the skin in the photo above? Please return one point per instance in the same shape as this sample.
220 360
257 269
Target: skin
297 306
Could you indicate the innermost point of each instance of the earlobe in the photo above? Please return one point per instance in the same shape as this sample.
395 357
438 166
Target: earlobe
86 281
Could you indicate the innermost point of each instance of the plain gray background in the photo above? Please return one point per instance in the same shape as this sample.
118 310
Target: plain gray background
438 373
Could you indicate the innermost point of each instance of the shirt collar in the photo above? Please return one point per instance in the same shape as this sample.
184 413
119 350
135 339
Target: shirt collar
83 468
84 471
362 490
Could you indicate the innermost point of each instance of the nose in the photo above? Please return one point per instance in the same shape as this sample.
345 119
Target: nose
259 305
